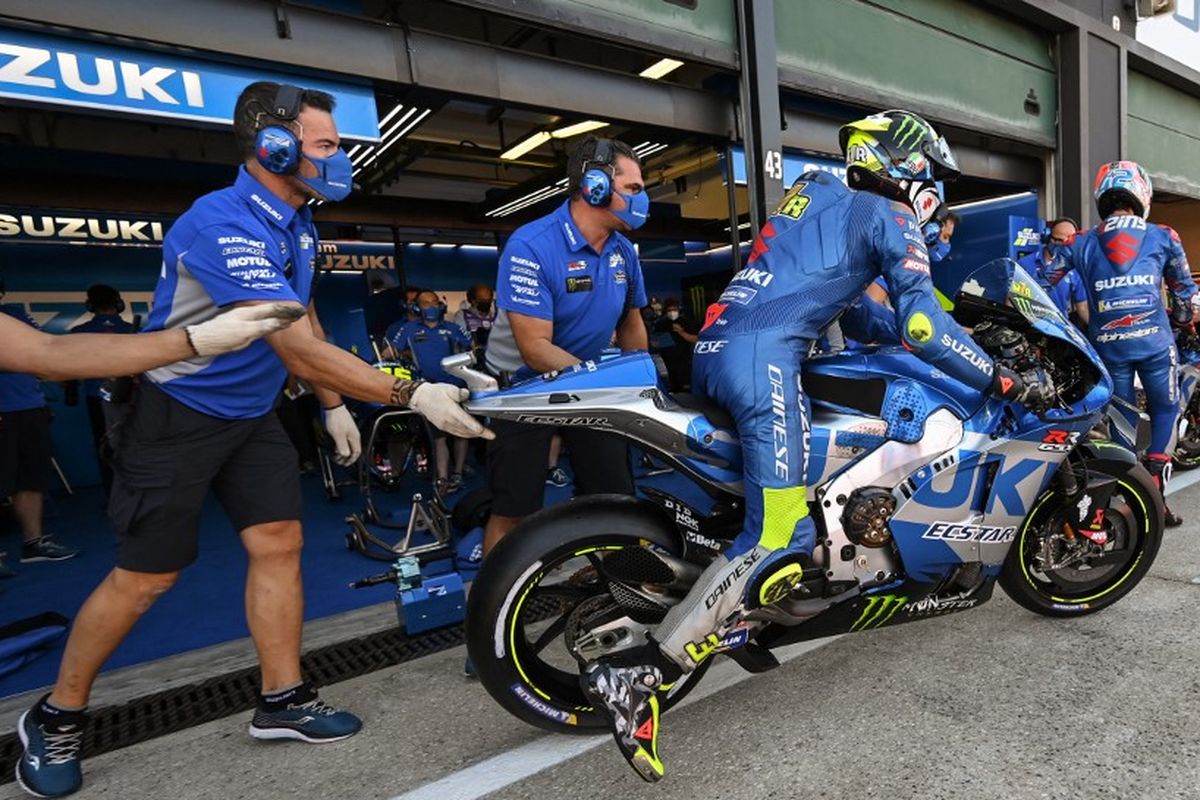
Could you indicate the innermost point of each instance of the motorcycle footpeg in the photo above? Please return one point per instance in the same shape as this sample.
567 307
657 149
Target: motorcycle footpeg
753 657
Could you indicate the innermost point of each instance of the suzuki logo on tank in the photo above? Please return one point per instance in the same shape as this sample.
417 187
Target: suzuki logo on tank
68 72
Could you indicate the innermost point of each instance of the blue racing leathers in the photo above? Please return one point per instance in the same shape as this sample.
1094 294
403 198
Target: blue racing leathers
809 266
1124 262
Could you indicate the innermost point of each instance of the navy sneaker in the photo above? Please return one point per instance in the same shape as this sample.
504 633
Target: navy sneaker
50 767
310 721
469 669
45 550
557 476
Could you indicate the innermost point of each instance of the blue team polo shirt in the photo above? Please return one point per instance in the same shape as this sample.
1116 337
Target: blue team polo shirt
1066 293
429 345
101 323
18 391
234 245
549 271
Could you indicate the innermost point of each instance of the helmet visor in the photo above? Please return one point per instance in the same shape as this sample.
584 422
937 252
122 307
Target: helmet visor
945 166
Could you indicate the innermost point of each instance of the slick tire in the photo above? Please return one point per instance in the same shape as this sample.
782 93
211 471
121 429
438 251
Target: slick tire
508 669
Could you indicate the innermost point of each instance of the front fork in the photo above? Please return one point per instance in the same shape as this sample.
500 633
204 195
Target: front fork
1084 504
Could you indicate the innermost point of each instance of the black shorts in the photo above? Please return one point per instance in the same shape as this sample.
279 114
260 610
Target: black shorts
516 464
167 459
25 451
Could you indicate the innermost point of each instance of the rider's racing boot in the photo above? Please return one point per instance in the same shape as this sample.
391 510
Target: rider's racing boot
624 688
1159 467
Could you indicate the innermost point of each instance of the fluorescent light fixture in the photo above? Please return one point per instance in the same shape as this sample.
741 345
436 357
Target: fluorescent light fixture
353 150
363 155
536 196
443 245
401 133
491 247
661 68
383 122
534 140
399 122
649 151
578 128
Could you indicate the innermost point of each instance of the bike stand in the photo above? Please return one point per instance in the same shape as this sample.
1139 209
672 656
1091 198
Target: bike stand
424 517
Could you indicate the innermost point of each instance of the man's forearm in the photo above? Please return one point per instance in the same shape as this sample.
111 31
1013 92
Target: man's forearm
631 335
340 373
328 398
101 355
545 356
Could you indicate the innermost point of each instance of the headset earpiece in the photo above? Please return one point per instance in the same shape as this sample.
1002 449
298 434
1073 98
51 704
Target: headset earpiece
596 184
276 147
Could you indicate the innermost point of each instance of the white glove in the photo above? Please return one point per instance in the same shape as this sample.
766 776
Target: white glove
441 404
347 441
240 326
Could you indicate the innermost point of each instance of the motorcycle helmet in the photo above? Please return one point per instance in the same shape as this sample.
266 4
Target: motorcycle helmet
1123 183
900 156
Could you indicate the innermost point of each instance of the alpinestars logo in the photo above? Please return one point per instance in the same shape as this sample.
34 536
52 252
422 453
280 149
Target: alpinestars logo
1127 321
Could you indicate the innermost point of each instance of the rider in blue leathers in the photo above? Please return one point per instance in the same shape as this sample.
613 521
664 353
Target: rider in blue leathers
808 267
1124 262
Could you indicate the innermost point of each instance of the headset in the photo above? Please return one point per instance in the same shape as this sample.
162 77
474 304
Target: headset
596 184
102 296
277 147
1049 227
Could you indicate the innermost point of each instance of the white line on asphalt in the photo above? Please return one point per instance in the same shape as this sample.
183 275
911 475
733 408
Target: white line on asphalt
511 766
505 769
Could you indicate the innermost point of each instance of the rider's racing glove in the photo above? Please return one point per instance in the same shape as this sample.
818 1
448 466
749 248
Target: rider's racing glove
1033 388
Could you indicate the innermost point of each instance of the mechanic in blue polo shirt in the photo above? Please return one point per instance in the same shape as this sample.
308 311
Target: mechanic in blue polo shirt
1069 294
25 453
106 305
566 283
427 341
208 423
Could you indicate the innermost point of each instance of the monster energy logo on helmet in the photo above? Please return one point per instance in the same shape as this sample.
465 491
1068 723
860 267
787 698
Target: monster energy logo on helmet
910 128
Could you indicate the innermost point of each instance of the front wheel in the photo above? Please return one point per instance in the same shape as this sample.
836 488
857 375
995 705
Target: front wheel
541 589
1058 574
1187 449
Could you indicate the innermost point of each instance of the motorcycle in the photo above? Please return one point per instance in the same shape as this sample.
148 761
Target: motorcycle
925 492
1187 445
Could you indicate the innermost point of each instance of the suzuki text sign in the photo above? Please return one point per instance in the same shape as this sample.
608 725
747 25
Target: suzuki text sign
71 72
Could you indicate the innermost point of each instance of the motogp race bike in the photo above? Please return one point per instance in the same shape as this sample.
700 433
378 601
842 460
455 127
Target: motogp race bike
925 493
1187 445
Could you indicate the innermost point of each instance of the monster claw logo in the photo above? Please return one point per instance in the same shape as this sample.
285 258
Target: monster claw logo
879 610
909 129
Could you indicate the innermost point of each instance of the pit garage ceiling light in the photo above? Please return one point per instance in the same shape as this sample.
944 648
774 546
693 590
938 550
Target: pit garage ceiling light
534 197
660 68
578 128
647 149
534 140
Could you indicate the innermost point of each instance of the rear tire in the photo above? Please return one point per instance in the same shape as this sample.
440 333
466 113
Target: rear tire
1053 593
530 685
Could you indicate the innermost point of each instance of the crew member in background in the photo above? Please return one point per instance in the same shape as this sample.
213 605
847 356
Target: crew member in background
1124 262
105 304
1069 294
566 282
477 315
25 453
681 332
207 423
428 341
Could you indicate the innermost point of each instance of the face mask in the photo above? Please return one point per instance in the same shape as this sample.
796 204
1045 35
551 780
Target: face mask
636 211
483 306
431 314
672 314
939 251
334 176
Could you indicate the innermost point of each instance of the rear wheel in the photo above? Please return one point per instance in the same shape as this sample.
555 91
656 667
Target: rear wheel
540 589
1058 575
1187 449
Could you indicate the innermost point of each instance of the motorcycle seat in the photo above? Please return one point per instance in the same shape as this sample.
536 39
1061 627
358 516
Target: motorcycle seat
711 411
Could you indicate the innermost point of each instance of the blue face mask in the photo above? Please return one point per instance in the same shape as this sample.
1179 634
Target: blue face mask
334 176
939 251
431 314
636 211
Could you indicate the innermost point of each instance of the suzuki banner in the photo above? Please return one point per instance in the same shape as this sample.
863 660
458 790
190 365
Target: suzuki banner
1176 35
61 71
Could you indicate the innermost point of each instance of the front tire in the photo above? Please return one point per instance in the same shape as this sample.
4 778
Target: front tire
522 603
1134 522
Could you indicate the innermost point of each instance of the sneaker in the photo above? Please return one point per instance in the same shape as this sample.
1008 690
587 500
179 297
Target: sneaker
469 669
454 483
1170 519
312 721
50 767
5 570
627 696
45 550
557 476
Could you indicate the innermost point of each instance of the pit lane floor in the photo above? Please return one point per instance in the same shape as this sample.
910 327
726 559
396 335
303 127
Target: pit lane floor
990 703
